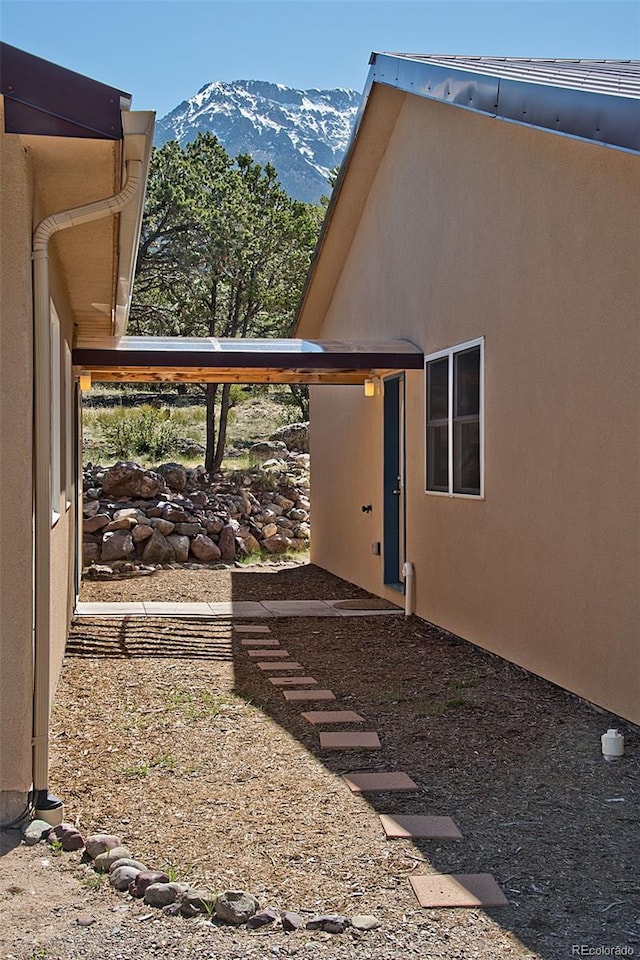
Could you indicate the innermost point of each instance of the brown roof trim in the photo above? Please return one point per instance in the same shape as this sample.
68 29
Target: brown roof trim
299 355
44 99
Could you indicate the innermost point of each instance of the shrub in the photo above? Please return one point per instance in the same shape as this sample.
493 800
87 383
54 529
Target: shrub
143 432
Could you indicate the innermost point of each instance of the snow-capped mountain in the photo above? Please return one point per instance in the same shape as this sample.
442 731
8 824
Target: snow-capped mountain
303 133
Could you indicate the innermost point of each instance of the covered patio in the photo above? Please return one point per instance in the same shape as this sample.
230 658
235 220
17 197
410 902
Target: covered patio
213 360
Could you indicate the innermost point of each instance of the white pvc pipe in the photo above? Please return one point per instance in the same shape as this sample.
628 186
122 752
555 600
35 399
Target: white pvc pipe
407 575
109 206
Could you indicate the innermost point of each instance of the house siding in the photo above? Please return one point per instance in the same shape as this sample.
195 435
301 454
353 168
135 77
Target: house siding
19 209
478 228
16 555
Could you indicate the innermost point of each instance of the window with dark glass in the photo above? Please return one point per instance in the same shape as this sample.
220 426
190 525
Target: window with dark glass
453 397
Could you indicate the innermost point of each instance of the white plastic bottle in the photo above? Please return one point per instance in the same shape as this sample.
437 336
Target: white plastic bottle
612 744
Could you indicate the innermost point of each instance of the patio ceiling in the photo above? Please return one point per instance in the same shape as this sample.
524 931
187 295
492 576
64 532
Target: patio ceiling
208 359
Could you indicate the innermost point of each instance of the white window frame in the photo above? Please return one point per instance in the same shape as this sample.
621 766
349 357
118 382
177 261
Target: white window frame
55 466
450 352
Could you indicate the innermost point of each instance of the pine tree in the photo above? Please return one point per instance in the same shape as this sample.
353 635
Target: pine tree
224 253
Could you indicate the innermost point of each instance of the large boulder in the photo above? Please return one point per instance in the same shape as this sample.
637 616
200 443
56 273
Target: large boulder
174 475
277 544
180 545
267 450
130 480
117 545
227 543
90 552
251 543
204 549
97 522
294 435
157 549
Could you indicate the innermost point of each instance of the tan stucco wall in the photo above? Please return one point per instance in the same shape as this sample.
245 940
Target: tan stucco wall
15 476
475 227
19 206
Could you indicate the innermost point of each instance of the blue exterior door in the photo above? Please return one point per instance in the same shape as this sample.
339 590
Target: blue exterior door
393 482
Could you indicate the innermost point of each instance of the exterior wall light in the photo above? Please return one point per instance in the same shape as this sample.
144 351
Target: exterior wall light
85 382
369 388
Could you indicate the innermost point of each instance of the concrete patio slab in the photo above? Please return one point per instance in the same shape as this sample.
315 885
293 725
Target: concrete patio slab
419 827
108 609
251 628
293 681
249 609
379 782
268 653
154 607
239 608
458 890
289 665
350 741
370 613
332 716
299 608
309 694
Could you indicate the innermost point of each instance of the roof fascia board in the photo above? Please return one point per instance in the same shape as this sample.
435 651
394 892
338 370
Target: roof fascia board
605 119
357 173
44 99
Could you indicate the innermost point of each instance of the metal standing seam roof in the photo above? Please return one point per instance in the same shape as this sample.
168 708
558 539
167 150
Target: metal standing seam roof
593 100
600 76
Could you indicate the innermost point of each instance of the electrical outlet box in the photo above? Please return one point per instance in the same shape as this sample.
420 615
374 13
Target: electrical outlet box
375 548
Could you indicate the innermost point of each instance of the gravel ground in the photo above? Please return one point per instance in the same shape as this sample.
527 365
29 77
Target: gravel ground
166 732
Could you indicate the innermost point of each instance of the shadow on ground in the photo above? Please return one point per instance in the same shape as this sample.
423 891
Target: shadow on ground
513 759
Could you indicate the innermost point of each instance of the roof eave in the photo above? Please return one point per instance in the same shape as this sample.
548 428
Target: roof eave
138 129
44 99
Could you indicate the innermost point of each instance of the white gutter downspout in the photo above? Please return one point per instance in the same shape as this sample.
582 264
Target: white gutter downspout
42 455
407 575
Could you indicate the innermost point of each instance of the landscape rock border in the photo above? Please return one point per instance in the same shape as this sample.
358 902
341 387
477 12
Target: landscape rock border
107 854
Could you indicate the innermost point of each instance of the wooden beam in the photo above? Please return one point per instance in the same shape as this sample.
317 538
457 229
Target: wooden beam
226 375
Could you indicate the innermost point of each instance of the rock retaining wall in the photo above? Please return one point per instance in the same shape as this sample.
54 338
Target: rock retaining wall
172 515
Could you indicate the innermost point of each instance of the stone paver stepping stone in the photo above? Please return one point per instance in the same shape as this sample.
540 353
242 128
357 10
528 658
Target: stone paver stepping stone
268 653
260 642
333 716
458 890
292 681
350 741
419 828
379 782
250 628
309 694
289 665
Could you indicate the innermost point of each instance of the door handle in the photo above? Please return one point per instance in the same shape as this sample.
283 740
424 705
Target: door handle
396 492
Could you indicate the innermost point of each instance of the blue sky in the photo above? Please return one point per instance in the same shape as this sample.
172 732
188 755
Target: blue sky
163 51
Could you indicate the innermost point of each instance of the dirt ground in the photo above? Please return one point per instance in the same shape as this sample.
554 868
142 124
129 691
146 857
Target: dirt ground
166 733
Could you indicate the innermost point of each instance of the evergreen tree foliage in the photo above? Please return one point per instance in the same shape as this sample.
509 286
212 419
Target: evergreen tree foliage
224 252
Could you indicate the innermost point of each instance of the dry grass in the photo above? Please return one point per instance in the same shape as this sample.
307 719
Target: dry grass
166 732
